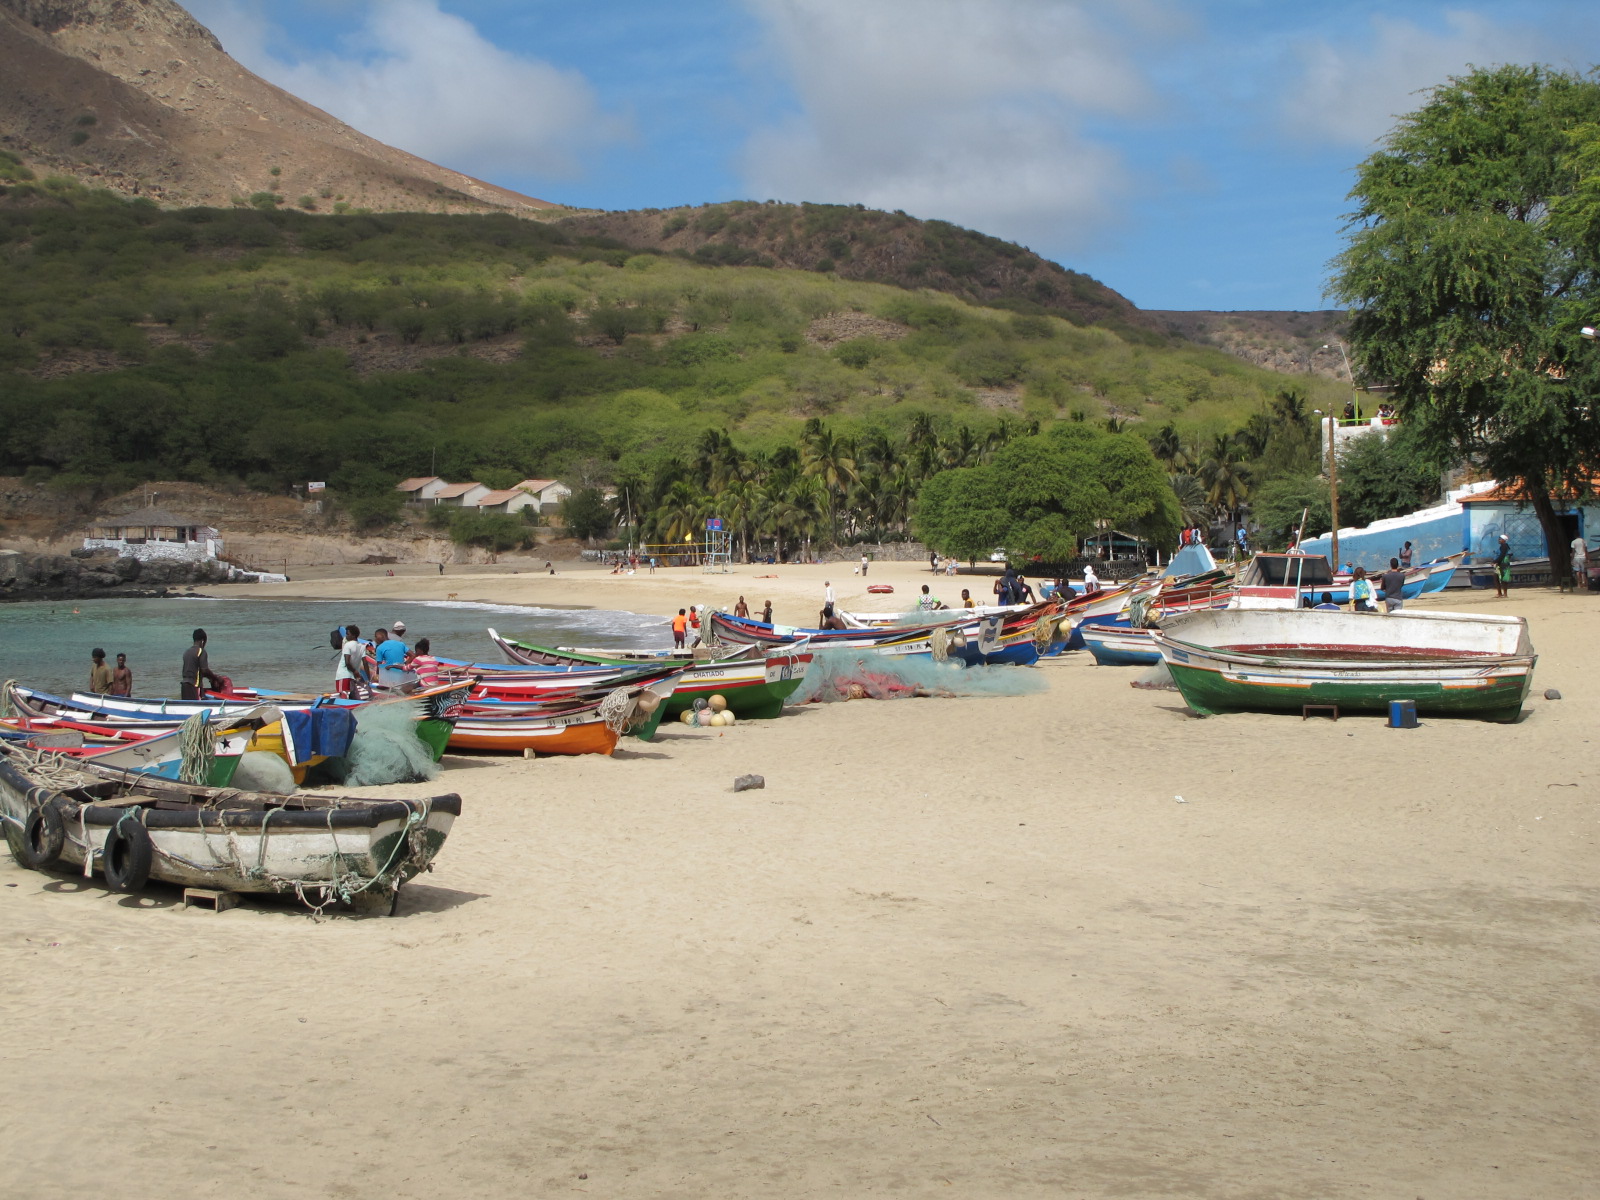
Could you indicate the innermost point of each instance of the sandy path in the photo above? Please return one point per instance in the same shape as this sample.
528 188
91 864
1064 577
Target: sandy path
966 947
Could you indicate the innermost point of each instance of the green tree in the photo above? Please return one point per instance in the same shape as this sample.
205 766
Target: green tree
1381 478
1467 294
1279 503
587 514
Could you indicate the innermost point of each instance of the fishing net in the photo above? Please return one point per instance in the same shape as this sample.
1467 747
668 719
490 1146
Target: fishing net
1155 678
263 771
853 675
385 749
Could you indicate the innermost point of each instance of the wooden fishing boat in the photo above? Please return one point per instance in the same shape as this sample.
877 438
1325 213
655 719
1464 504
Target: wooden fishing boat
161 753
1441 571
135 828
497 726
754 680
298 739
1449 664
1120 645
995 640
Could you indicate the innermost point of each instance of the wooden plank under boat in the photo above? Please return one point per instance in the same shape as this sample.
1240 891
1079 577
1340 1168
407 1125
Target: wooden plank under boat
1449 664
135 828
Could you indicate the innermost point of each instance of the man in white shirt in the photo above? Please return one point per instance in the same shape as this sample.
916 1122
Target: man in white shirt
1580 562
827 594
351 671
1091 582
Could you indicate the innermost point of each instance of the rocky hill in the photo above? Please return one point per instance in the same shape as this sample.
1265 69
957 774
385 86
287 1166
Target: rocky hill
139 97
858 243
1290 342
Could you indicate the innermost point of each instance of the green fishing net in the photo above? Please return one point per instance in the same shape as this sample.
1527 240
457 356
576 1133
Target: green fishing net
385 749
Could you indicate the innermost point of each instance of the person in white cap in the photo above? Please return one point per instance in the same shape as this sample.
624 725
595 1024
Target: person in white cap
397 633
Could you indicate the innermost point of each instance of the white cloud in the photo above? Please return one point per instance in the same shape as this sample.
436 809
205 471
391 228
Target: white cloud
1350 93
428 82
967 110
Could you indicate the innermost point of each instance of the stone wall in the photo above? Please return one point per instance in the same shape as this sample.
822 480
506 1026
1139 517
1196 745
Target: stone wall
877 552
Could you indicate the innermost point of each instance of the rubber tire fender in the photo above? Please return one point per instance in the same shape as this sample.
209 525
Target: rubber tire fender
128 856
43 836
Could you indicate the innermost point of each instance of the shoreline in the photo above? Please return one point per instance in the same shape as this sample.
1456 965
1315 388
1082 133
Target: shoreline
1074 942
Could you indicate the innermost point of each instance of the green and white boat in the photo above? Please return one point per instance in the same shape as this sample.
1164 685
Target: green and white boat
754 680
1251 660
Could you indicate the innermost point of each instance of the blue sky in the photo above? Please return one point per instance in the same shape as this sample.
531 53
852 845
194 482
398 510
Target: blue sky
1189 153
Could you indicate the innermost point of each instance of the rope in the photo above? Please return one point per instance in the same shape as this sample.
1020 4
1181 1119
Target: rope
1044 630
6 709
616 708
199 748
939 644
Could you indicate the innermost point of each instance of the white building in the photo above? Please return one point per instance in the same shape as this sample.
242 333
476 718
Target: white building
462 495
149 534
548 492
422 489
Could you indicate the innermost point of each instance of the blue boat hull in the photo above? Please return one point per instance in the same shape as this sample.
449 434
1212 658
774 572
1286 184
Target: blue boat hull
1120 646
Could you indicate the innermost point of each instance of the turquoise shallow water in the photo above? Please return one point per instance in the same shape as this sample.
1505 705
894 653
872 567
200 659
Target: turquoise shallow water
279 644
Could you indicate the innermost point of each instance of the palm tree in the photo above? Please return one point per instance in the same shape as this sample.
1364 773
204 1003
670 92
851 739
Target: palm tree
1192 504
961 448
831 460
1168 447
677 518
738 503
1223 477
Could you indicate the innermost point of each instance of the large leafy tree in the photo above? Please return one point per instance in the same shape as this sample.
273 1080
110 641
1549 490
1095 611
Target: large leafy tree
1040 494
1472 263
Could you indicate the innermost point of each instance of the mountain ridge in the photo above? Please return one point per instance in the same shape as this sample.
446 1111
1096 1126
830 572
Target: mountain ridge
138 96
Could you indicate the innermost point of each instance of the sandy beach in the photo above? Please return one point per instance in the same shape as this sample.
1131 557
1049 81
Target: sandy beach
1077 944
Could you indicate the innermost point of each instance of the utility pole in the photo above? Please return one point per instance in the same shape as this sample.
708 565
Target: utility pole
1333 481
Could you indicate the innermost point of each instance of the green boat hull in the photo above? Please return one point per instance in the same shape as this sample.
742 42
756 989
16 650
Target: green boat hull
749 701
1208 692
435 734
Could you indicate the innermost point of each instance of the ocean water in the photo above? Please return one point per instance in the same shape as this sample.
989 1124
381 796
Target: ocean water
281 644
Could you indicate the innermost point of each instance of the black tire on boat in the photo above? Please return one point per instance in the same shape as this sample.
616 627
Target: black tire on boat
128 856
41 839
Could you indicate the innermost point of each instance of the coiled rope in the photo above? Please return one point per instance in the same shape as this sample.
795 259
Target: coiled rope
199 748
1044 632
616 708
939 644
6 709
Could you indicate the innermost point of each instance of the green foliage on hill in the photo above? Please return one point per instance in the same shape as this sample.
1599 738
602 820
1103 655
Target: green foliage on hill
855 242
272 347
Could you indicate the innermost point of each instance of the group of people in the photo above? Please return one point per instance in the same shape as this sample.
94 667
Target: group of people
109 681
361 663
1363 593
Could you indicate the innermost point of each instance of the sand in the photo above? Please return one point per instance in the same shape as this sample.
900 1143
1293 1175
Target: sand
954 948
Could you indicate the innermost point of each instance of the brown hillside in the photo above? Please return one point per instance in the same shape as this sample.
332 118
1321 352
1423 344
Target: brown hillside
1291 342
877 247
138 96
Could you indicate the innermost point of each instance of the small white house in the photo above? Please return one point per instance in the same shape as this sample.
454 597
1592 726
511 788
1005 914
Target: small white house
150 534
422 489
509 500
462 495
548 492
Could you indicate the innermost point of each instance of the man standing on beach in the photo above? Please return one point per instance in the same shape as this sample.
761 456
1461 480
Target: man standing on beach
122 678
196 666
680 626
1580 562
1394 583
766 613
863 566
827 593
99 673
1405 556
1502 567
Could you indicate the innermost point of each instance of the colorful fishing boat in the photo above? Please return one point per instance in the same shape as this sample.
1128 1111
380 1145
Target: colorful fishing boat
1120 645
313 728
136 828
754 680
1448 664
1013 639
210 748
